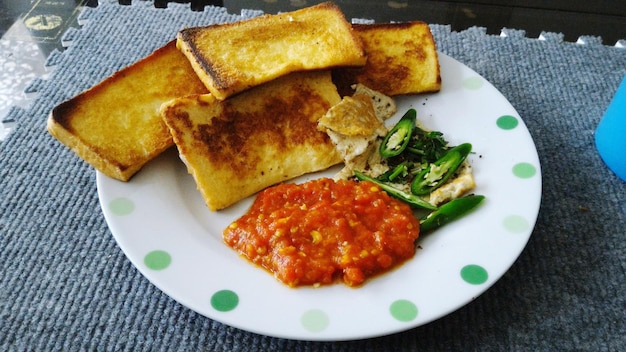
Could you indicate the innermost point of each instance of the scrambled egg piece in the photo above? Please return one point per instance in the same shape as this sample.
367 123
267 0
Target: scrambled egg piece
455 187
354 126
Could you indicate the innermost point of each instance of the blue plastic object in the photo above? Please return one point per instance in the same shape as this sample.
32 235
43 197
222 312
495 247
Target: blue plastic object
611 133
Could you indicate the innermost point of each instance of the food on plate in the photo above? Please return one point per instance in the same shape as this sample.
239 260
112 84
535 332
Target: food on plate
384 106
436 173
232 57
252 104
462 182
324 230
450 211
419 168
266 135
353 116
318 231
396 192
397 139
115 126
401 59
355 123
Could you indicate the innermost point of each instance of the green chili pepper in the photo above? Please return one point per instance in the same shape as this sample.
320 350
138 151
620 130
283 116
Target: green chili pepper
449 212
398 137
400 171
440 171
394 192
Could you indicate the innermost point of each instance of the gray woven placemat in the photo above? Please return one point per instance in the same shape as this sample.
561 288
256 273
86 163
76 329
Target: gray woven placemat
66 285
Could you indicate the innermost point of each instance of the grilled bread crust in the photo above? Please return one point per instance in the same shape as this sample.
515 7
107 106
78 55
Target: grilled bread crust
115 126
401 59
233 57
266 135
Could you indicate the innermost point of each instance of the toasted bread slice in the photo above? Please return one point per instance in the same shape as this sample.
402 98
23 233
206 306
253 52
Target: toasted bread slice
115 126
401 59
232 57
266 135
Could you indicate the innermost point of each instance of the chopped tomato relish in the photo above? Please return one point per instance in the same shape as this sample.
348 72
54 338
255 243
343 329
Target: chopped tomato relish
316 232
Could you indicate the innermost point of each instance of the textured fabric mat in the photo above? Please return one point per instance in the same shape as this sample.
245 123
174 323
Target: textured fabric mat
66 285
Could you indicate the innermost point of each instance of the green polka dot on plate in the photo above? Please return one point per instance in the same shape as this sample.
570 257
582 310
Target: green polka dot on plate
473 83
507 122
224 300
516 224
157 260
524 170
314 320
474 274
403 310
121 206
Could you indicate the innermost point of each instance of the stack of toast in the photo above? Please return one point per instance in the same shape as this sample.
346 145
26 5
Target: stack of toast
241 101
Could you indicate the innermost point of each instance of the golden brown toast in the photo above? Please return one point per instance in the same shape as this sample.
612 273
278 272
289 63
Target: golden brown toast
115 126
401 59
266 135
232 57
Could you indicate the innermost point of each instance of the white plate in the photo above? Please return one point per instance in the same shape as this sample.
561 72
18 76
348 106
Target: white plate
162 225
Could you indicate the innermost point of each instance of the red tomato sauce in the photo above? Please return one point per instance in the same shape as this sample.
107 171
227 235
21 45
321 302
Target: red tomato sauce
320 231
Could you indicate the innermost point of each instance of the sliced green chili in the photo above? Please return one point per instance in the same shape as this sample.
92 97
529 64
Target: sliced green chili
440 171
449 212
399 136
394 192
